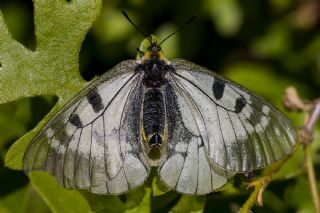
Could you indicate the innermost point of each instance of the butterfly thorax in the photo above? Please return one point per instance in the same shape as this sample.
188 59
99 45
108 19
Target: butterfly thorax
154 66
154 72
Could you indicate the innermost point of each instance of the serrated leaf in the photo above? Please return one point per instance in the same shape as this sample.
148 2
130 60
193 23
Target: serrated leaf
52 69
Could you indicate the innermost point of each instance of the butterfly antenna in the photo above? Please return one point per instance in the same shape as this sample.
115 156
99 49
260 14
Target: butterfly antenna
179 29
140 52
143 33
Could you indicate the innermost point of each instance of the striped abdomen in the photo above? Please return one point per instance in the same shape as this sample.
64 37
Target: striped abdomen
153 116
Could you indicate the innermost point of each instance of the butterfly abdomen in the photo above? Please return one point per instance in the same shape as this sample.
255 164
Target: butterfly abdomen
153 116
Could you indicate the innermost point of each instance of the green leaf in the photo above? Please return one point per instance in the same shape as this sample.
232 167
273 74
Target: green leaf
292 167
58 198
144 206
18 115
274 201
227 15
299 195
281 5
171 46
3 209
162 202
132 200
110 27
52 69
158 187
276 42
13 158
28 199
189 204
9 202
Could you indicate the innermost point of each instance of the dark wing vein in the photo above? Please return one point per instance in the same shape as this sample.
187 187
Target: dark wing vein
90 158
46 139
250 141
64 156
240 159
182 89
76 162
217 105
191 99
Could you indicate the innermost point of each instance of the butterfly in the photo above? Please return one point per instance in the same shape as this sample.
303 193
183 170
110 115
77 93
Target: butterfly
196 127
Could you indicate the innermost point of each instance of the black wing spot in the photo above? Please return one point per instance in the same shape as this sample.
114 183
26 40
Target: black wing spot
95 100
75 120
218 88
240 104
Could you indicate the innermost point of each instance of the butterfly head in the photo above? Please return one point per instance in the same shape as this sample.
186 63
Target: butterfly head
150 49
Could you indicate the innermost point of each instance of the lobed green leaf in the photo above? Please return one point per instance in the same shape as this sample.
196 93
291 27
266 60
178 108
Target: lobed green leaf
52 69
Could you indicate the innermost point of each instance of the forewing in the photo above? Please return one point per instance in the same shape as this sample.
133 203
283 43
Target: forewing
186 168
241 131
94 142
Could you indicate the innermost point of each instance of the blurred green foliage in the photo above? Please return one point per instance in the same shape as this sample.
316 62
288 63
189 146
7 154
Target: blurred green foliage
264 45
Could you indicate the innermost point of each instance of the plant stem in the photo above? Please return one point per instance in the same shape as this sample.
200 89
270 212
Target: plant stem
251 201
312 177
256 196
293 101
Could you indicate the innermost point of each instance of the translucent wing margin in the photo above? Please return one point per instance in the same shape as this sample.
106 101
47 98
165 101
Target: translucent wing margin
94 142
186 167
241 132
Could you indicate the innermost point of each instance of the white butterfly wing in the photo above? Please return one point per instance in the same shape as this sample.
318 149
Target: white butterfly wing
240 131
94 142
186 167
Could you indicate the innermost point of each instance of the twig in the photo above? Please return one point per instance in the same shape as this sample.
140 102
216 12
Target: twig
312 177
312 114
259 186
256 195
